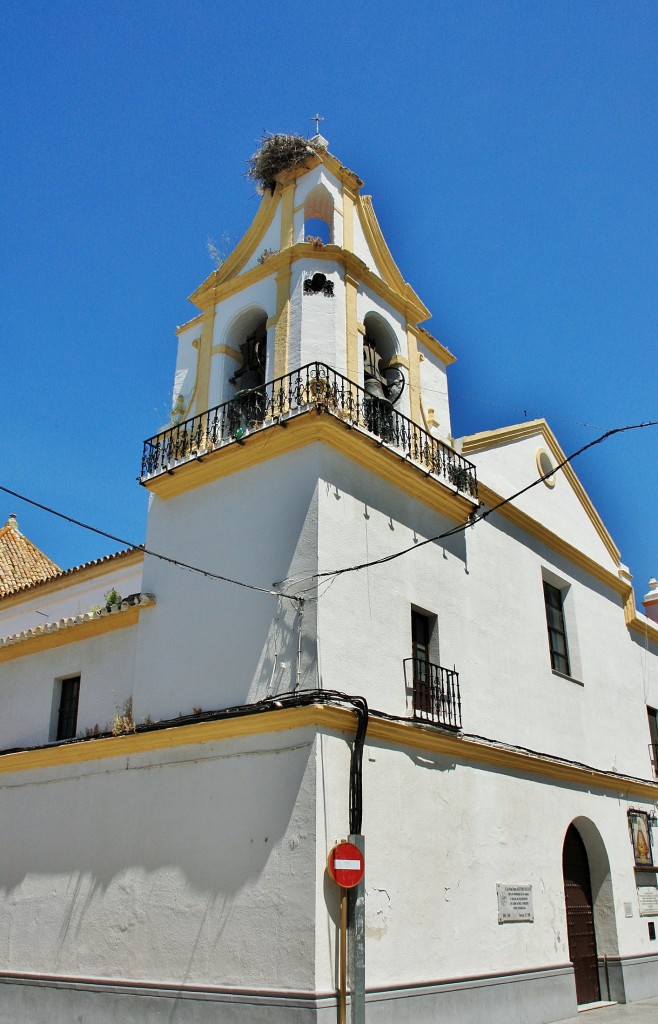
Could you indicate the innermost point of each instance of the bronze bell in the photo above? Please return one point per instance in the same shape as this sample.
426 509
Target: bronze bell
374 389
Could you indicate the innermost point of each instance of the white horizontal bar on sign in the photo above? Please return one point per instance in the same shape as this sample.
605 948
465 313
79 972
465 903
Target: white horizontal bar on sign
347 865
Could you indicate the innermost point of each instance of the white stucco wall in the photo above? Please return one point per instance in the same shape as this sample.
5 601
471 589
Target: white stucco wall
439 836
211 644
512 466
74 595
29 690
434 391
183 866
317 322
361 247
186 365
486 588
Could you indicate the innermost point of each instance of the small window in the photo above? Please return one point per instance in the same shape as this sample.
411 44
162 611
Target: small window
67 718
546 467
557 633
652 715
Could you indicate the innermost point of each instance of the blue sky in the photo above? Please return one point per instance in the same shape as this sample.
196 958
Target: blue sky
511 151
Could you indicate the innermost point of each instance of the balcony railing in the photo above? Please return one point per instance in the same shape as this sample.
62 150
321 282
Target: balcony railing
435 693
318 387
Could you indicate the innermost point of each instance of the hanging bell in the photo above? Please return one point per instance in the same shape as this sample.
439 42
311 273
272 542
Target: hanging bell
374 390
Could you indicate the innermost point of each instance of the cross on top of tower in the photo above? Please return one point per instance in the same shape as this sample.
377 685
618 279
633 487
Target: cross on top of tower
317 119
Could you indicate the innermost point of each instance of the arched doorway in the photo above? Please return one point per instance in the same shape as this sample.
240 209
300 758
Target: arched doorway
580 917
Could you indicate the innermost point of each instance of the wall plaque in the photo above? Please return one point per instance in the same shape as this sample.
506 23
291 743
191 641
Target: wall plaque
648 899
514 903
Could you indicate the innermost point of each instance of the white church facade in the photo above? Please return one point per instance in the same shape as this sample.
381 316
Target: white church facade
180 749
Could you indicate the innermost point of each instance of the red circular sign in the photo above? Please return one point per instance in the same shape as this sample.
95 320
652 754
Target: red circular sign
346 864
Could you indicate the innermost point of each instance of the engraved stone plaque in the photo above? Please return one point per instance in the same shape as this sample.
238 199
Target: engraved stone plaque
514 903
648 899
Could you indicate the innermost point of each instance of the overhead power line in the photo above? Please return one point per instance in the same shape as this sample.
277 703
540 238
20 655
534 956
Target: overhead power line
147 551
474 518
334 573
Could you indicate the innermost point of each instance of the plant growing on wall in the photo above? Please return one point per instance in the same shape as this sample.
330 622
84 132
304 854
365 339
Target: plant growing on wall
278 153
112 597
123 722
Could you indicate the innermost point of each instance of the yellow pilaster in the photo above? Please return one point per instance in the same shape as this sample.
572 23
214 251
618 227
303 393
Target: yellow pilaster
287 211
348 219
282 329
414 378
203 361
351 328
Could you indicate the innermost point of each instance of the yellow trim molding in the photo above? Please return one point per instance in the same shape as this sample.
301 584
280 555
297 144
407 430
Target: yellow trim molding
287 235
190 323
282 329
519 431
406 302
202 382
250 240
552 540
395 361
377 245
349 200
414 376
644 627
226 350
351 328
433 345
408 735
85 629
302 430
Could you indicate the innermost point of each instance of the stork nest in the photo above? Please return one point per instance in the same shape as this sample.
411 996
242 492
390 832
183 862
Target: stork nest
278 153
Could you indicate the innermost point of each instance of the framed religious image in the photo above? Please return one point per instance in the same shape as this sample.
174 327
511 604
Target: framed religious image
638 825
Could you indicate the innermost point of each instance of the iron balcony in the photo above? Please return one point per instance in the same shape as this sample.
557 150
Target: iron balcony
314 386
435 693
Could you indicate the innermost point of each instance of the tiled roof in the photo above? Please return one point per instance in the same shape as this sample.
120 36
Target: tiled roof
64 573
21 562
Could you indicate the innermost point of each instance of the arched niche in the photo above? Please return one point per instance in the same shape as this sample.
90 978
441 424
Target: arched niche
247 335
603 902
319 215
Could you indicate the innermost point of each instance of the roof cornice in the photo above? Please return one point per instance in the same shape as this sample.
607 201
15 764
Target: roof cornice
395 733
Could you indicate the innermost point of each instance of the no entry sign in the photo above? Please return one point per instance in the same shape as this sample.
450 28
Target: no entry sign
346 865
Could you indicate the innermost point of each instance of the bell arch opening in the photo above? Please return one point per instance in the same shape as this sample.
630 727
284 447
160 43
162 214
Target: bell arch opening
247 334
319 215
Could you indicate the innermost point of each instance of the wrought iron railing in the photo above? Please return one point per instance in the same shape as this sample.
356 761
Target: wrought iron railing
435 692
315 386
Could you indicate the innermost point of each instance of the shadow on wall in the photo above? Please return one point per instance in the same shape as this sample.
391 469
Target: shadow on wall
217 820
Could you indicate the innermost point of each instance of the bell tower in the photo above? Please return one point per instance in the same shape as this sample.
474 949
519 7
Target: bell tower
309 315
312 280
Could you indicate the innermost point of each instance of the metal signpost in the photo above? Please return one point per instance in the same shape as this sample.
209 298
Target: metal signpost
346 866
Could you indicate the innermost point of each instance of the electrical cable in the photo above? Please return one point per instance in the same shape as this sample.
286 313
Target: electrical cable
147 551
475 518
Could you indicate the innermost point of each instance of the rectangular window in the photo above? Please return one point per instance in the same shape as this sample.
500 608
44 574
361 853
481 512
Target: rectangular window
557 633
67 718
652 715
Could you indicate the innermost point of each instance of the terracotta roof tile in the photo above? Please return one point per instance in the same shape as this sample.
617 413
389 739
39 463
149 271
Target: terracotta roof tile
21 562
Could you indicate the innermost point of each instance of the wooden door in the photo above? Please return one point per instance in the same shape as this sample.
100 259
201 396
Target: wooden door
580 918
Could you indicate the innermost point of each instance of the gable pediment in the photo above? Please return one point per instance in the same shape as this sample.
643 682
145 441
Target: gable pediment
511 458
